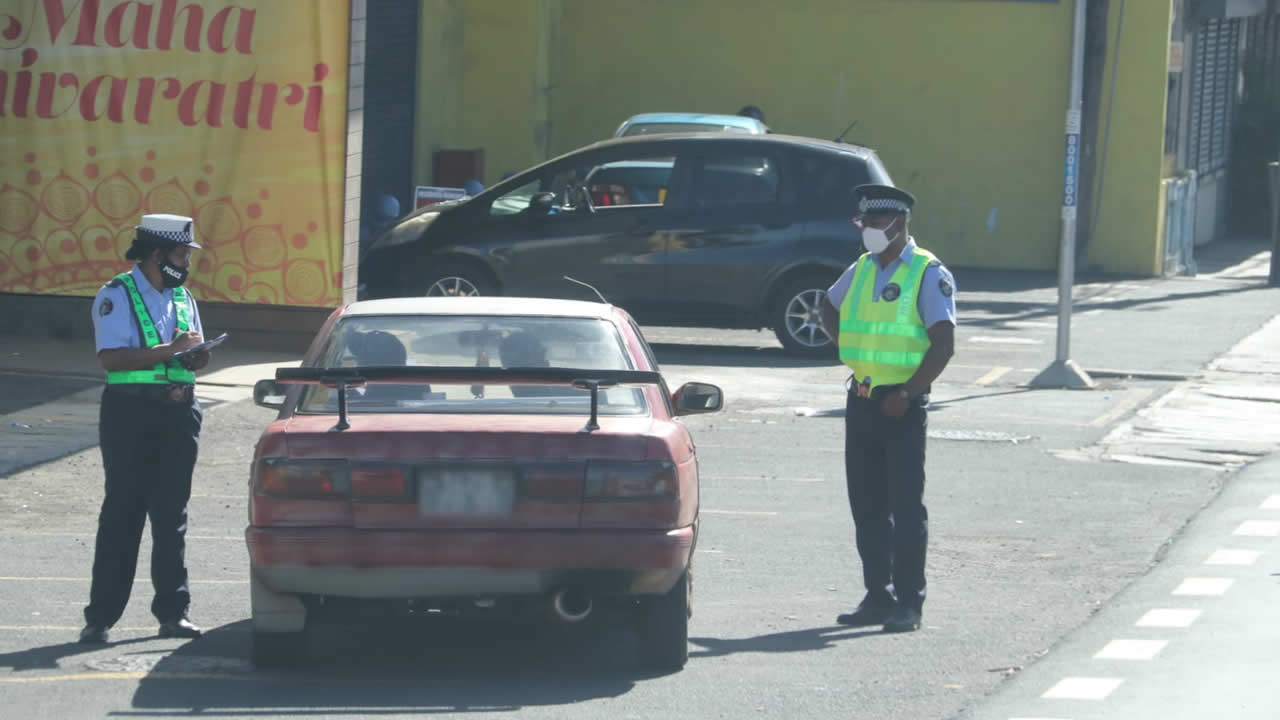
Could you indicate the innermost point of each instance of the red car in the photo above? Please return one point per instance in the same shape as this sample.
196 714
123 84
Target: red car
479 455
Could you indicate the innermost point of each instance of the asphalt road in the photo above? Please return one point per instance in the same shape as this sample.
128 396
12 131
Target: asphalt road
1029 539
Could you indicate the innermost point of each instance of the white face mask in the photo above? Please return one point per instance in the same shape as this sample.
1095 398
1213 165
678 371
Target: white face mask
877 240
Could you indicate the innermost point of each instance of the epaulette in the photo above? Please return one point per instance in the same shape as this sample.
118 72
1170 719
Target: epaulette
113 283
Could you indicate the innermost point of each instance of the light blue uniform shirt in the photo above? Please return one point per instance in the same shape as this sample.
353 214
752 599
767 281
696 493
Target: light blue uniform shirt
937 298
114 326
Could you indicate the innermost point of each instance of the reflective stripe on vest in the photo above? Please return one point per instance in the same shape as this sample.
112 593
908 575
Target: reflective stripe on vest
886 340
163 373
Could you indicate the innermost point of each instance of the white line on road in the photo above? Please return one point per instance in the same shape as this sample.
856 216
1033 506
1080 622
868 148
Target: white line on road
987 339
736 512
1082 688
1131 650
1032 324
1169 618
89 535
992 375
1259 528
1233 557
14 578
1271 503
1204 586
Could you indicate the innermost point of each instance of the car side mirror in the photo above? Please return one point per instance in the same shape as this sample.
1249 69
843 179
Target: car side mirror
697 398
541 204
268 394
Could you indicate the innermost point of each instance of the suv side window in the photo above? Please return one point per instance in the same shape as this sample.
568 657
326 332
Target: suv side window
729 179
827 183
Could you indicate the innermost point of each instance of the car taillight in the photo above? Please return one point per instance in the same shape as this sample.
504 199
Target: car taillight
632 481
380 483
288 478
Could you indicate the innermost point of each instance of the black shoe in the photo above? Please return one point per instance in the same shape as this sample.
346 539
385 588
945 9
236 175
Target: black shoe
868 613
180 628
903 619
93 635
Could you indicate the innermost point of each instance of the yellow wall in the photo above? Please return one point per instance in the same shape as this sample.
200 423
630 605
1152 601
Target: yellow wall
1130 214
963 99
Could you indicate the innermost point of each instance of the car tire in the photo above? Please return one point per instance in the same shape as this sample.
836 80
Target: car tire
456 279
279 649
664 627
796 315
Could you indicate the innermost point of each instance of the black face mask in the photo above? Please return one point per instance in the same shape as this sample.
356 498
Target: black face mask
172 275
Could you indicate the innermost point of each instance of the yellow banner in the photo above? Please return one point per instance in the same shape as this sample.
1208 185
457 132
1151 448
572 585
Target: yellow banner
232 113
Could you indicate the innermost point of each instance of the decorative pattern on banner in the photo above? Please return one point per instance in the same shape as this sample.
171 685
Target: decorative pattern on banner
232 113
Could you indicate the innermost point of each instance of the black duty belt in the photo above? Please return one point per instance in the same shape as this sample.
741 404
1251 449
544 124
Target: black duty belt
176 393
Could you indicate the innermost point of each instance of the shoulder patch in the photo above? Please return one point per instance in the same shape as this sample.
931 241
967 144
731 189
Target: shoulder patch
944 287
106 307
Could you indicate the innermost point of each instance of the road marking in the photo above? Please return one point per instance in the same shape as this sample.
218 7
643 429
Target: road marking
1203 586
1032 324
1169 618
1259 528
991 340
1271 503
1232 557
736 512
89 535
14 578
126 676
1131 650
70 628
1132 399
1082 688
992 375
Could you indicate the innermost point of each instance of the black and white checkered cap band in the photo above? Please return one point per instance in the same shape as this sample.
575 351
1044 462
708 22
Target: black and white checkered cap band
177 237
883 205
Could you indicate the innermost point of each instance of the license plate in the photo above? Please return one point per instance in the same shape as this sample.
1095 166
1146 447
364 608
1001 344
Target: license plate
465 491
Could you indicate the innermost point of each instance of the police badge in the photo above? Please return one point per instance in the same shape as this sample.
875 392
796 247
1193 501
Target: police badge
891 292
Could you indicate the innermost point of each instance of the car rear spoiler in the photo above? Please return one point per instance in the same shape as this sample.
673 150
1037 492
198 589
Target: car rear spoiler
346 377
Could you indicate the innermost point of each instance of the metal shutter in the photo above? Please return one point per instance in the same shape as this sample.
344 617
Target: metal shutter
1213 94
390 94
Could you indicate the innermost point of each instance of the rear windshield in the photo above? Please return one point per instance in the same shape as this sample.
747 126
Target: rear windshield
475 341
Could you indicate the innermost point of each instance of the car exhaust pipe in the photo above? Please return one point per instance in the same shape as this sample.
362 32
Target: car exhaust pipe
571 605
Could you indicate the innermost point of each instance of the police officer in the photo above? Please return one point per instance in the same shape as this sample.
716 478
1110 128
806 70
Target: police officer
148 426
895 312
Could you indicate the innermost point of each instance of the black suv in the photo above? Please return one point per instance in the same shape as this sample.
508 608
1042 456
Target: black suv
701 229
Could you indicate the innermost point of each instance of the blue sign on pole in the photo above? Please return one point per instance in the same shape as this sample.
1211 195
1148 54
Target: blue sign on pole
1071 177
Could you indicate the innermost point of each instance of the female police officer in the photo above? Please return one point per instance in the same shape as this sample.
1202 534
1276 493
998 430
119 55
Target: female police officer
148 426
896 313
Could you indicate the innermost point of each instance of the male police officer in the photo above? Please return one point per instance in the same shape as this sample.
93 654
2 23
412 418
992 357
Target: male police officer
148 426
896 313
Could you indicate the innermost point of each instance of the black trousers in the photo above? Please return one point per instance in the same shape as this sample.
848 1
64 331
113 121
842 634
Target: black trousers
149 448
884 468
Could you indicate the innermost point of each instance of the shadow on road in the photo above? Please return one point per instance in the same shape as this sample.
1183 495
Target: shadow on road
412 667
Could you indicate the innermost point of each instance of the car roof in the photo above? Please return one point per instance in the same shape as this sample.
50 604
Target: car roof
741 121
728 138
514 306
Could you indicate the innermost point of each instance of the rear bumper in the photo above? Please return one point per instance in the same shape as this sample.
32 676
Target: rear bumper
344 562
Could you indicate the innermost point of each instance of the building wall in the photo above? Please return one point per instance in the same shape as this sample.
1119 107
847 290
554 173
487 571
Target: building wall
963 99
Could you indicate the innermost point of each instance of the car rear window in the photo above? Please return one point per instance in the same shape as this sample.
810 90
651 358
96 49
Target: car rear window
471 341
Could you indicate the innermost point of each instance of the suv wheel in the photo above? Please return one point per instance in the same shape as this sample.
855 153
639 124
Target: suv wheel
797 316
456 280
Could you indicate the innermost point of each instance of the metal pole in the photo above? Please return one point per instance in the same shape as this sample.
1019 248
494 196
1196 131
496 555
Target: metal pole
1273 172
1064 373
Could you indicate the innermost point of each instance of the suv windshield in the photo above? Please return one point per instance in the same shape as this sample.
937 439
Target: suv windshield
475 341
